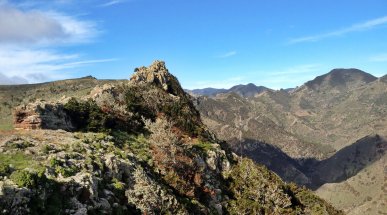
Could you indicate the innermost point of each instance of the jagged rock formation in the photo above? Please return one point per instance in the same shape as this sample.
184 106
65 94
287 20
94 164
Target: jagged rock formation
42 115
158 75
156 158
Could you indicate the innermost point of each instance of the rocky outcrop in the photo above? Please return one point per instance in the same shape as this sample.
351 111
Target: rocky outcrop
42 115
157 74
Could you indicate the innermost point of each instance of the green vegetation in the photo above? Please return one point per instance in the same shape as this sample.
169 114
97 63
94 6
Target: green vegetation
204 145
61 168
118 185
4 169
316 205
87 116
138 145
45 149
252 186
20 161
27 178
6 126
19 144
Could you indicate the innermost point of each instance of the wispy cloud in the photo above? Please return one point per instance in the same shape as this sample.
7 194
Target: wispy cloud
111 3
32 53
367 25
49 27
227 54
296 70
33 66
379 58
291 76
274 79
225 83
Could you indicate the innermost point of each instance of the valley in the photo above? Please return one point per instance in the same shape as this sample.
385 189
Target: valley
323 134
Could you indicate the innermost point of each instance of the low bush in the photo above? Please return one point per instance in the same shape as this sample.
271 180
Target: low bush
27 178
4 169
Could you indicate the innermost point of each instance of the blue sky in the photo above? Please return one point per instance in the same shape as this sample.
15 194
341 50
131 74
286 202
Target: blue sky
205 43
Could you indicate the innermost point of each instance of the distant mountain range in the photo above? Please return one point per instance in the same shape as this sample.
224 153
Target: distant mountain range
323 134
247 90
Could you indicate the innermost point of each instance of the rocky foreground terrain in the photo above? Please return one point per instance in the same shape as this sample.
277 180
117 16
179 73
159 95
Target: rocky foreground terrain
328 134
129 147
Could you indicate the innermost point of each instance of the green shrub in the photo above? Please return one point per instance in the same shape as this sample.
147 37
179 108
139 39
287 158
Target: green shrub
118 185
45 149
4 169
54 162
19 144
204 146
20 161
26 178
87 116
66 171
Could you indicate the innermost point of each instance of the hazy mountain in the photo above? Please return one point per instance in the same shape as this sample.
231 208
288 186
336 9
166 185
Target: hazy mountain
206 91
248 90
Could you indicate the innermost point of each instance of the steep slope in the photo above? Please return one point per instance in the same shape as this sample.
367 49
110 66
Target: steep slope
349 161
137 147
364 193
341 117
340 79
231 116
317 129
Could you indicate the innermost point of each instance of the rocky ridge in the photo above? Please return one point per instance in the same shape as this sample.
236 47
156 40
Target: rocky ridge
140 148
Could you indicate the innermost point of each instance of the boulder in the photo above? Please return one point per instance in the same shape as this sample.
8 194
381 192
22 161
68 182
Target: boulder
42 115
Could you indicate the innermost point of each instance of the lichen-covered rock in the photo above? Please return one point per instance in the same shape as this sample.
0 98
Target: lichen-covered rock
157 74
151 197
42 115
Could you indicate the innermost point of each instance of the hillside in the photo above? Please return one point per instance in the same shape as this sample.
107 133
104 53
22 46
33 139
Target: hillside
364 193
316 126
14 95
133 147
325 117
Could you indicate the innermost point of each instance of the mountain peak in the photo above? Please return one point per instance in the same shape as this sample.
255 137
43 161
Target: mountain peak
247 90
342 79
157 74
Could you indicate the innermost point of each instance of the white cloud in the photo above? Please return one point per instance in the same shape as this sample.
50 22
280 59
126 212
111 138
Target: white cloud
379 58
290 77
274 79
31 39
110 3
33 66
41 27
297 70
5 80
226 83
227 54
367 25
